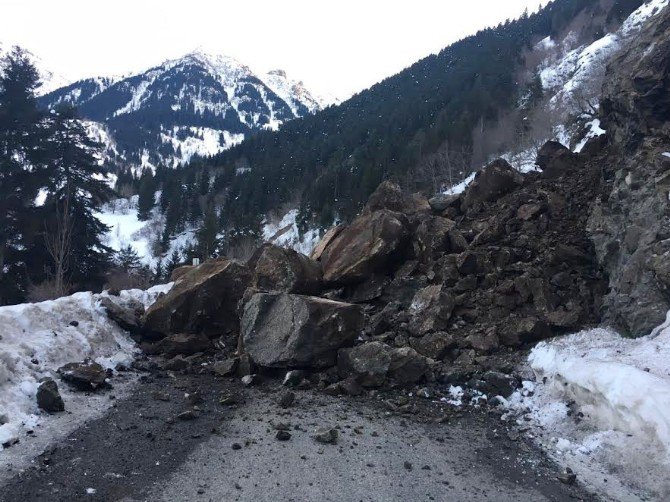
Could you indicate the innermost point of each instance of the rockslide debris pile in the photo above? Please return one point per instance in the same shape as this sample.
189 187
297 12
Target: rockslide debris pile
413 289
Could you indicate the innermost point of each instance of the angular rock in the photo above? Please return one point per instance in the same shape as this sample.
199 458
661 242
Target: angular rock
185 344
281 269
373 363
48 397
525 330
88 375
127 318
430 310
432 237
371 243
434 345
325 241
555 159
226 368
389 195
180 272
442 202
281 330
177 363
492 182
203 301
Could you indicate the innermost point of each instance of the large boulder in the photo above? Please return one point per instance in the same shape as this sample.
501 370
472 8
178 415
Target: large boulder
430 310
281 269
389 195
372 364
492 182
325 241
555 159
371 243
204 300
128 317
281 330
434 236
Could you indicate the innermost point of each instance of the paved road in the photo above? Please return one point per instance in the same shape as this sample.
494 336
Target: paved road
139 451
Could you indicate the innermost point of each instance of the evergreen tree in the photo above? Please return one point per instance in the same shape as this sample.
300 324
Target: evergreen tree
173 262
75 189
128 260
22 170
146 199
208 241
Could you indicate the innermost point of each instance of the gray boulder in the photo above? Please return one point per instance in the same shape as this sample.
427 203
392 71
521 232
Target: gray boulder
281 330
128 317
281 269
373 364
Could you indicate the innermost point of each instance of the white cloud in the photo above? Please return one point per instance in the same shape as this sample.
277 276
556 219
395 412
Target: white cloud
336 47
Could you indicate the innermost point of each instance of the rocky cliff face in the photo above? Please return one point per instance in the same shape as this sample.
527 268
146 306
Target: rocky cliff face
630 224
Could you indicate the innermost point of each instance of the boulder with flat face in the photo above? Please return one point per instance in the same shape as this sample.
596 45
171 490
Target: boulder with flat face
282 330
373 364
555 159
371 243
492 182
281 269
204 300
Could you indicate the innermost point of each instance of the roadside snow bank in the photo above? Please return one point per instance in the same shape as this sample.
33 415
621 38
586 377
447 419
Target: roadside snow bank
619 383
37 338
601 405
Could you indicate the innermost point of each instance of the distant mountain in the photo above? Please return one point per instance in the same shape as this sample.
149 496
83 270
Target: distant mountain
50 79
199 104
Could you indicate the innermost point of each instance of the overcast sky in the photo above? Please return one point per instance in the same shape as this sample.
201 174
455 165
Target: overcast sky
336 47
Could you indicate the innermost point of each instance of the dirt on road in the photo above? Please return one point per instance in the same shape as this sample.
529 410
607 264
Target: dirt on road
196 437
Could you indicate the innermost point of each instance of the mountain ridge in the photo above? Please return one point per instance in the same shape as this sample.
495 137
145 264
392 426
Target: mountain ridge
196 105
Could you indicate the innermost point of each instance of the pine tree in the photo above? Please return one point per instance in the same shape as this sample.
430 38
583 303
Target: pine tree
75 189
159 273
22 169
208 241
127 259
173 262
146 199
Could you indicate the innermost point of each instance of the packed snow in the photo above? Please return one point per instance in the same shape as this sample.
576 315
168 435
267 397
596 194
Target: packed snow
284 233
37 338
600 404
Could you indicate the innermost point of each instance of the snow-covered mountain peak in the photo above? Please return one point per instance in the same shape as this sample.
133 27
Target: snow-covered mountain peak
198 104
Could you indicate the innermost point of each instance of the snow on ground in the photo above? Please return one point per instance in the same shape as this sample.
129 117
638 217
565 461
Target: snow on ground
601 406
201 141
285 233
124 227
37 338
460 187
594 130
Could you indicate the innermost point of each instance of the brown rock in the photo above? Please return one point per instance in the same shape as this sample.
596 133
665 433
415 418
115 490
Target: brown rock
204 301
495 180
281 269
371 243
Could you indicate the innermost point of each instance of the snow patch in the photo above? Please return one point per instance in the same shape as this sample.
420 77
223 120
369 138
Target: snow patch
284 233
37 338
601 405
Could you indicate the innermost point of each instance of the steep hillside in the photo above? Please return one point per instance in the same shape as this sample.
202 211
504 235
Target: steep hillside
199 104
452 105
